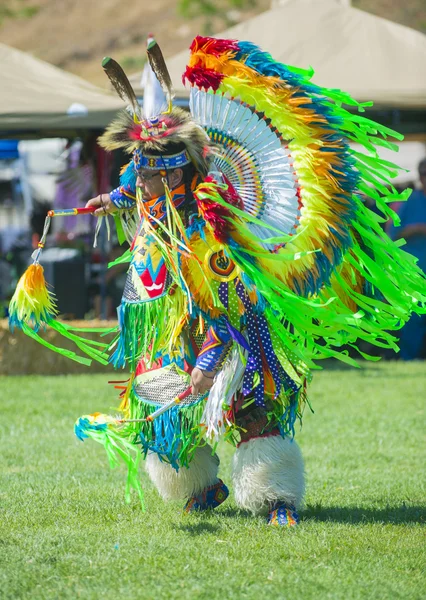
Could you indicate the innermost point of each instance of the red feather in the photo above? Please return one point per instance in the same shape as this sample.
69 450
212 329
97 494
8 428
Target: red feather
217 216
202 77
213 46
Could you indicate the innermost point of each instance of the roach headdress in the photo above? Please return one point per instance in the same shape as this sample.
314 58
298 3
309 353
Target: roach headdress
150 140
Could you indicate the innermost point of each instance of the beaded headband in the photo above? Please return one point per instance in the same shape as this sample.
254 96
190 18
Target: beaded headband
155 163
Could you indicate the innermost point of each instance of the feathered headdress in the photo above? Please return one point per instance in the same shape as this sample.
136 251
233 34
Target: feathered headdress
150 139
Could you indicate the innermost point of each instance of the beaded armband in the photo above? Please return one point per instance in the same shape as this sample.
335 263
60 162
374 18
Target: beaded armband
123 197
215 349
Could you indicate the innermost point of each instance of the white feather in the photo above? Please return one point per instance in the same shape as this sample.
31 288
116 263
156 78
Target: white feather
227 383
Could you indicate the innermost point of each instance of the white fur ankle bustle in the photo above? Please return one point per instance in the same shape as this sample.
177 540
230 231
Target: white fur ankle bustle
188 481
267 470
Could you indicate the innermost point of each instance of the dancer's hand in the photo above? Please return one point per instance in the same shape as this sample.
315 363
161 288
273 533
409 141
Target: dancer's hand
105 204
201 381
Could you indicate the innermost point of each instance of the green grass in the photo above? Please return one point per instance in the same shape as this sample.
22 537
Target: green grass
66 532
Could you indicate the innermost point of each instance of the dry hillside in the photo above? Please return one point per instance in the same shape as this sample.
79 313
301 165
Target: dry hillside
76 34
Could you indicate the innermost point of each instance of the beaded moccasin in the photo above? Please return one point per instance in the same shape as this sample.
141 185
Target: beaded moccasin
209 498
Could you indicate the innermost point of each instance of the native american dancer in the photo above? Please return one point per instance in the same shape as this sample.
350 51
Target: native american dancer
251 256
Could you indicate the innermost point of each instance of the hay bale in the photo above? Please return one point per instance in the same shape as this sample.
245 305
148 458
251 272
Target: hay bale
21 355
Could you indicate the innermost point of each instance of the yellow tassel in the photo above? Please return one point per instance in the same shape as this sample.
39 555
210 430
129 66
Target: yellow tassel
125 403
32 301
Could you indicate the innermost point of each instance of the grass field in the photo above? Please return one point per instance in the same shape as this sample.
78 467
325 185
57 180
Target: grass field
66 531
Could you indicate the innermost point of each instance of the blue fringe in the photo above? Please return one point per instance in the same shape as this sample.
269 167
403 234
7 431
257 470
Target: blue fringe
128 178
32 321
84 425
165 438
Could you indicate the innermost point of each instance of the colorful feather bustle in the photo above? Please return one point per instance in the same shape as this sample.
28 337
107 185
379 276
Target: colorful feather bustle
336 276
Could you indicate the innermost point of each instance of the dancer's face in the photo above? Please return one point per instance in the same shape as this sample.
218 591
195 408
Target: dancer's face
151 184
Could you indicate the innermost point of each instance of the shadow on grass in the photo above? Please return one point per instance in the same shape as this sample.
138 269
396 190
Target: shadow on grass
230 511
393 514
198 528
202 526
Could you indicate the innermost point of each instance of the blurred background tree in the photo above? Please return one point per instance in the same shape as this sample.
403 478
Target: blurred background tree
227 11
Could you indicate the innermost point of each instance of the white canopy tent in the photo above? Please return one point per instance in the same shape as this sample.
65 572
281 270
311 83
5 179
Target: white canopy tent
367 56
37 96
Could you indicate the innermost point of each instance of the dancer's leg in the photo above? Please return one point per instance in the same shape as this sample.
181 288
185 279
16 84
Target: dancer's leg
268 472
188 481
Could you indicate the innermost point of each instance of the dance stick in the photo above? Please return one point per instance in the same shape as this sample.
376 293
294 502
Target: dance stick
160 410
67 212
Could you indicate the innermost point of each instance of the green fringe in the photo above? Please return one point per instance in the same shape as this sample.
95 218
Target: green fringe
119 448
88 347
142 326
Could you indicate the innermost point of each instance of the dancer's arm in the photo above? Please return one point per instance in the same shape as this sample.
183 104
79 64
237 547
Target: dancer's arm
104 205
118 199
210 359
121 198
